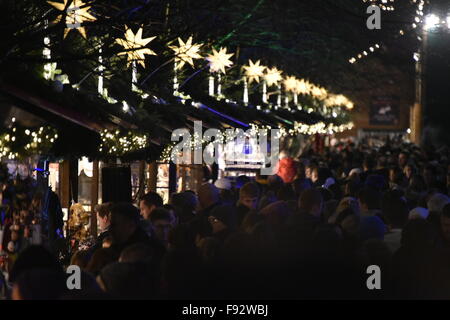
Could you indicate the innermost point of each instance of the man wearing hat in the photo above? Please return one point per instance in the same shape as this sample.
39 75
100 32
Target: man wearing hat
222 221
225 191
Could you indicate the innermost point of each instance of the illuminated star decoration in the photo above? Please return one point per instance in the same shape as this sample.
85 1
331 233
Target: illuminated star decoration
186 52
219 60
290 83
76 14
338 100
134 44
303 87
319 92
273 76
254 71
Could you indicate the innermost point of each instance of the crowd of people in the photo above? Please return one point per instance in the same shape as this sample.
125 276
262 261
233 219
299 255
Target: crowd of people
308 232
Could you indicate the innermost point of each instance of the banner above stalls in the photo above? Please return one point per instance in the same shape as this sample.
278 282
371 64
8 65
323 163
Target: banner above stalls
384 111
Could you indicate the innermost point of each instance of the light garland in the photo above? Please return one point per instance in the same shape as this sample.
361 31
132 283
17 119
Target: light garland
382 5
417 19
338 100
299 128
365 53
18 143
419 13
120 143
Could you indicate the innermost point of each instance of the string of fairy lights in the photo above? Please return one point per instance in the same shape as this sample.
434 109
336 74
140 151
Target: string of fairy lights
365 53
418 18
226 136
19 142
383 4
119 143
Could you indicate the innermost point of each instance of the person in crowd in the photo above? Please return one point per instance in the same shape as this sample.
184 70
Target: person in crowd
416 190
225 189
304 233
248 201
403 158
431 176
126 281
409 171
126 230
436 204
223 221
34 257
418 270
80 258
352 187
103 212
287 169
397 179
395 211
39 284
276 214
370 201
349 222
208 197
371 227
369 165
301 184
161 224
240 182
300 226
100 259
185 204
174 219
149 202
309 169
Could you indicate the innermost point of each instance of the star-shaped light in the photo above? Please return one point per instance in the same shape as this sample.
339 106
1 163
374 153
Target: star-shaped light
186 52
134 44
273 76
320 93
338 100
290 83
254 71
219 60
76 14
303 87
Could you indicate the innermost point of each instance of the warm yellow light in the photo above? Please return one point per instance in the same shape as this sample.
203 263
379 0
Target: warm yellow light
219 60
254 71
290 83
303 87
134 44
319 93
186 52
339 100
273 76
76 14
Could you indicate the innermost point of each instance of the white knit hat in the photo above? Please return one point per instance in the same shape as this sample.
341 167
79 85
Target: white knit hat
223 183
355 171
